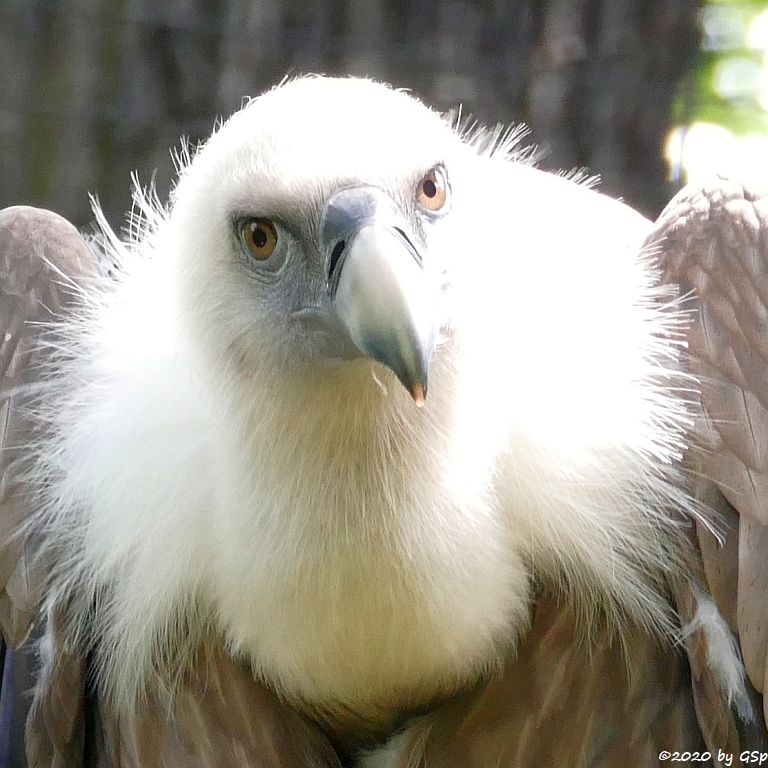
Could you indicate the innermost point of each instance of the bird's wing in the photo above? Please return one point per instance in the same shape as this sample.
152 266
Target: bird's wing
42 257
714 242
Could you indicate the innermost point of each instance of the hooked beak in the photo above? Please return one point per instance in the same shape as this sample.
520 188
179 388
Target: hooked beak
377 284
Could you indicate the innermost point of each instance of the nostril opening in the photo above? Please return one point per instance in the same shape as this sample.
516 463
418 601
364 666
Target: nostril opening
334 266
338 249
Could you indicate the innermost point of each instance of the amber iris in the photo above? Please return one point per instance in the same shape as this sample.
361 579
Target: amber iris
432 191
259 237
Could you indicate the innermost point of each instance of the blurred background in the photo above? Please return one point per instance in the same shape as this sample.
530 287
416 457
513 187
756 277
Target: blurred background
643 92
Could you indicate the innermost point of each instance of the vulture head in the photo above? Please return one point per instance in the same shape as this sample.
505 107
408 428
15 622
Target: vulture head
308 225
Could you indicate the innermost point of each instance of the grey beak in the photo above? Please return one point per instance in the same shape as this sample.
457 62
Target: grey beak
377 284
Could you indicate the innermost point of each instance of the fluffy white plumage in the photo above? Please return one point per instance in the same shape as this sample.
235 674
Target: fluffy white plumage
210 471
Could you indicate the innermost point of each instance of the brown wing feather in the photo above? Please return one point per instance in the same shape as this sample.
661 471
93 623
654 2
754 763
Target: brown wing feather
219 717
40 255
714 240
56 727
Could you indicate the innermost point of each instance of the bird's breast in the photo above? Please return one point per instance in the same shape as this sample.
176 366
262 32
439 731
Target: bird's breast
369 596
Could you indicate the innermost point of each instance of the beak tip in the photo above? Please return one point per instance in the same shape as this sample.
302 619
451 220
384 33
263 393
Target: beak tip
419 393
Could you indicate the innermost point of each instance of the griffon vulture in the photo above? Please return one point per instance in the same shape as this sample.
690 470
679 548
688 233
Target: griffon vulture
379 447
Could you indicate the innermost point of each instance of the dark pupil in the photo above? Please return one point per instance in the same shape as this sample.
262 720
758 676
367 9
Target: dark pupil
260 236
429 187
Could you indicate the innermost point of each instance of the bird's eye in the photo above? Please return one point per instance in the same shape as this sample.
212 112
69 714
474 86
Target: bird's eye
432 190
259 236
